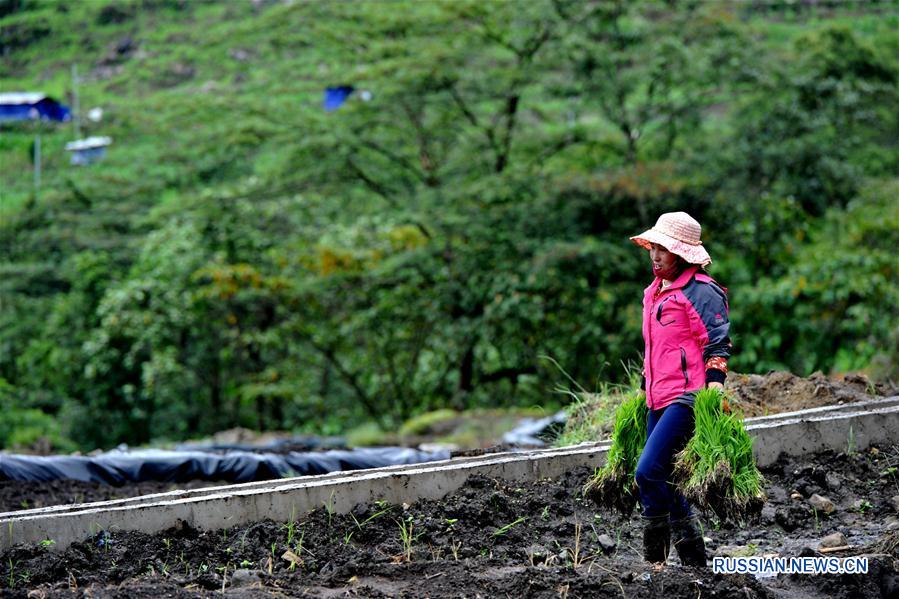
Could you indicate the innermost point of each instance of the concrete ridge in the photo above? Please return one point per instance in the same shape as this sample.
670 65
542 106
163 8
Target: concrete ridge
796 433
187 493
184 494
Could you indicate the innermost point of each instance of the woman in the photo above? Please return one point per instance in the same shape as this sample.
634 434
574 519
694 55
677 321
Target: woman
685 331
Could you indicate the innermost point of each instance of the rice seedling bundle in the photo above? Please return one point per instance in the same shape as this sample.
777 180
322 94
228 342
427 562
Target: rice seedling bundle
613 486
716 471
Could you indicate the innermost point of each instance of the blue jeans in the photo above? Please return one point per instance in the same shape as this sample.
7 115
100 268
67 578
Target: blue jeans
667 432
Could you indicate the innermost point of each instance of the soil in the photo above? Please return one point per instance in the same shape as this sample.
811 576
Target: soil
777 392
25 495
490 539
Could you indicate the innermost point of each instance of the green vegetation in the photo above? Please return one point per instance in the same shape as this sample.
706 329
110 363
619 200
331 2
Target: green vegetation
407 538
716 471
427 422
243 258
613 486
506 528
591 416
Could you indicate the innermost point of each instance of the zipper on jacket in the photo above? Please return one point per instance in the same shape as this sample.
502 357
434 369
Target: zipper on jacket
683 367
649 362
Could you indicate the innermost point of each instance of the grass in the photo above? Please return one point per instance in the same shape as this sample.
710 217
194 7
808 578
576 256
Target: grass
574 553
428 422
407 538
590 416
613 486
478 427
504 529
361 524
716 471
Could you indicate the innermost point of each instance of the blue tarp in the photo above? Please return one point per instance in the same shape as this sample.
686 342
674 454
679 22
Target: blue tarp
25 106
121 467
87 157
336 96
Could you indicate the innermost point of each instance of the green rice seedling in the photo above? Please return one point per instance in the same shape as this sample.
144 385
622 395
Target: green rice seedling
454 547
361 523
613 486
406 537
716 471
504 529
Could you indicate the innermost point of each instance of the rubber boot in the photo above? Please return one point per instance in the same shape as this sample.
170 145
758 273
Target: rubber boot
656 539
688 542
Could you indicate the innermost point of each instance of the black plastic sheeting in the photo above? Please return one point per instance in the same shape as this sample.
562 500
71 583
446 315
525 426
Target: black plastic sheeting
122 467
285 445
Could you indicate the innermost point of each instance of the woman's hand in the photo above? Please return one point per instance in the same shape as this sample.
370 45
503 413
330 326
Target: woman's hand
725 406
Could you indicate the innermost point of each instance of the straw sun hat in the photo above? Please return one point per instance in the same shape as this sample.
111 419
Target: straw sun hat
677 232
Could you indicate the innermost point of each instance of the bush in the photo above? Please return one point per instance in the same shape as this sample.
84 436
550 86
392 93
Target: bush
27 428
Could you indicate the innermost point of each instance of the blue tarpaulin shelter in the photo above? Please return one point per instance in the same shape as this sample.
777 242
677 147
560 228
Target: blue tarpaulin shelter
26 106
336 96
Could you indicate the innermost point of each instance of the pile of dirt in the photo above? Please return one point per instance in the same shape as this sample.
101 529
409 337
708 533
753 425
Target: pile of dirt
490 538
777 392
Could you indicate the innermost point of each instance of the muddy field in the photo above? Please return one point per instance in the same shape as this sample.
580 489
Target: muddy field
755 395
490 539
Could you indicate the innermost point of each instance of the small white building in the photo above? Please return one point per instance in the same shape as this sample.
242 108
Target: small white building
89 150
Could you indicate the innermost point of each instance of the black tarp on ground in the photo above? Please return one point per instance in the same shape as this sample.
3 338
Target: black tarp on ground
285 445
121 467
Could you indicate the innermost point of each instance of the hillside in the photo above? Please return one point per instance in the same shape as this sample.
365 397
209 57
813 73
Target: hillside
244 257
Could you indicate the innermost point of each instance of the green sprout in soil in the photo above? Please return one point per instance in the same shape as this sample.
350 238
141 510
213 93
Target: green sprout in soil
329 507
503 530
294 555
407 538
291 528
613 486
716 471
454 548
361 524
12 574
271 559
863 506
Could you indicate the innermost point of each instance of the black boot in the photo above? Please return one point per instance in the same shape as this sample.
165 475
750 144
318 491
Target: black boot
688 542
656 539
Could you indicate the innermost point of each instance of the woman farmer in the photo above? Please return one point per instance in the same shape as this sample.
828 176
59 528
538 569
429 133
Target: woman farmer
685 331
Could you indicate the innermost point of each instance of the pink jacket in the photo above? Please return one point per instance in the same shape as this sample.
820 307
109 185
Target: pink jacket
685 326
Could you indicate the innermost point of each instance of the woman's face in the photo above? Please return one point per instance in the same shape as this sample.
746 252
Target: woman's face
664 263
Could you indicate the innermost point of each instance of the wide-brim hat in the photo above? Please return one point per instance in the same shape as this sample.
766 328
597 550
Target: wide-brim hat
679 233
